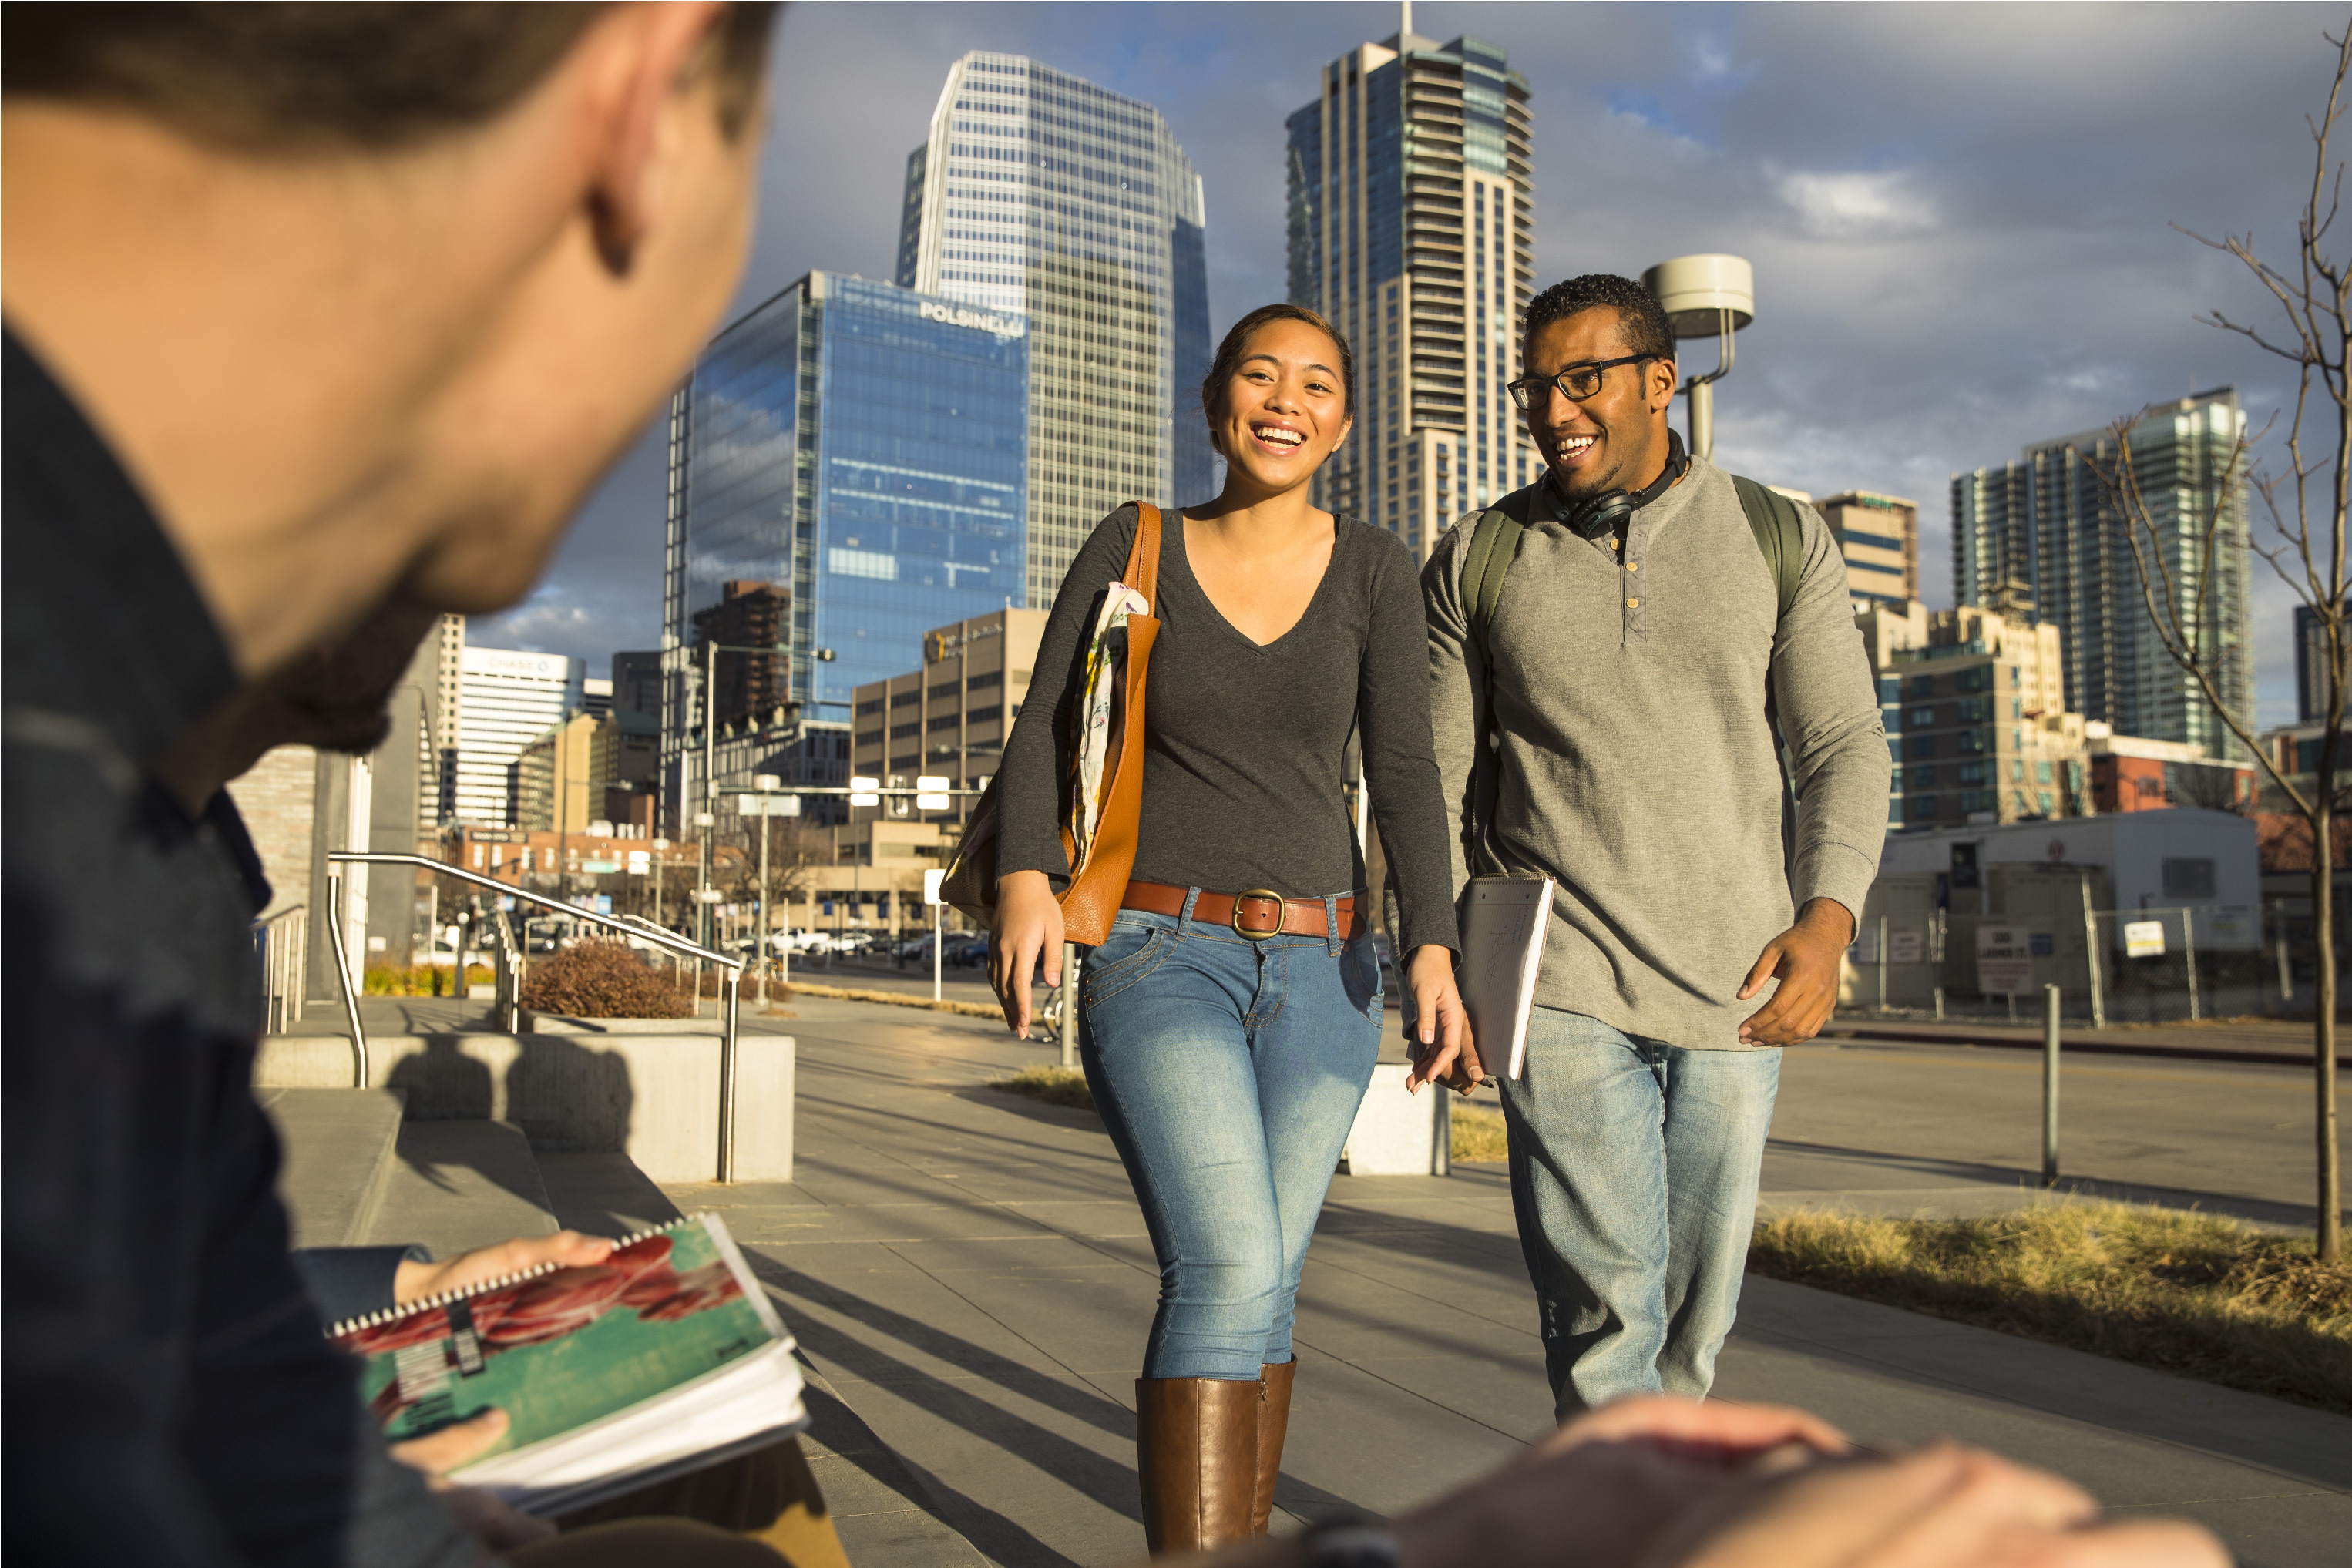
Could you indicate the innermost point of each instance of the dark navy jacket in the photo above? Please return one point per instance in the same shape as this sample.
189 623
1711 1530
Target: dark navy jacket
169 1397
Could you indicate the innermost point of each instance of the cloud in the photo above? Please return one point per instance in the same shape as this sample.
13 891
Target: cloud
1958 215
1858 206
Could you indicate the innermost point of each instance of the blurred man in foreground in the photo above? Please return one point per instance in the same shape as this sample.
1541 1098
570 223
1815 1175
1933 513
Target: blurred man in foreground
309 309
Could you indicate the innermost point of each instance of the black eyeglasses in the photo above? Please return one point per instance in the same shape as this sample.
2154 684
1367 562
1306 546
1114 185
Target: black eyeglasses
1575 383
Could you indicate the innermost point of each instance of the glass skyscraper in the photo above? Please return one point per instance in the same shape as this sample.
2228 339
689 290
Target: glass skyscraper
1411 228
861 447
1043 194
2044 535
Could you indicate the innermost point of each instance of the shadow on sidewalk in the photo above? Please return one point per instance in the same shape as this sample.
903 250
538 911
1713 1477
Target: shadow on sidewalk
1106 1482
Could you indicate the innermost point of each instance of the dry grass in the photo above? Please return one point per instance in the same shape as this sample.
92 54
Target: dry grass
1052 1085
2195 1295
1477 1130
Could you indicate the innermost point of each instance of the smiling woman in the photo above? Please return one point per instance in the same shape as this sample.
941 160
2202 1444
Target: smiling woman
1231 1016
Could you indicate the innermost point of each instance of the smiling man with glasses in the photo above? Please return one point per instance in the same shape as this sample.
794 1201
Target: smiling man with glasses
1611 648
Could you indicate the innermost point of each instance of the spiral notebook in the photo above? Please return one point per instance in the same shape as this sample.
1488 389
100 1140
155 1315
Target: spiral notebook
1504 921
665 1357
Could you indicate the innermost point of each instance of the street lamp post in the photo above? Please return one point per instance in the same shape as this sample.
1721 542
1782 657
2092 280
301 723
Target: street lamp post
767 784
1705 297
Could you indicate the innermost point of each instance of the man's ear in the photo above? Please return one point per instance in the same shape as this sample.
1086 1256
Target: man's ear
1663 378
641 61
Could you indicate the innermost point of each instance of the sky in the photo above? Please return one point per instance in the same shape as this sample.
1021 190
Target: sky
1961 217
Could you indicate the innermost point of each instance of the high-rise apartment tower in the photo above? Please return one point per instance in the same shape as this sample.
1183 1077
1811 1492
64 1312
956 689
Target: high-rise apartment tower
1411 229
2044 535
1042 193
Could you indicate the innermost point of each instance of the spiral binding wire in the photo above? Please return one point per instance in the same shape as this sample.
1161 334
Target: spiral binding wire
443 1298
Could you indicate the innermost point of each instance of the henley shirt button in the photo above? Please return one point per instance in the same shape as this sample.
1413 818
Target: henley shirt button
1633 604
1632 566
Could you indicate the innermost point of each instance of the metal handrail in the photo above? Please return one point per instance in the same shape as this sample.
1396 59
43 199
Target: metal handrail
644 931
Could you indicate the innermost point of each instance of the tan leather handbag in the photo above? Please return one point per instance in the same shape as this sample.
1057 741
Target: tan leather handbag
1091 902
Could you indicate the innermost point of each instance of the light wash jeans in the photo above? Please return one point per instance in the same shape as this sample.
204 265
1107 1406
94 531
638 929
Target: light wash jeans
1228 1071
1635 1165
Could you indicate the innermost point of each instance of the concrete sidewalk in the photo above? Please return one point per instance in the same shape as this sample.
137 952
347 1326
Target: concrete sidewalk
970 1272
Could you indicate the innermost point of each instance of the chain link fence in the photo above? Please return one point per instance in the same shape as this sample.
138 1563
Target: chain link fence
2182 964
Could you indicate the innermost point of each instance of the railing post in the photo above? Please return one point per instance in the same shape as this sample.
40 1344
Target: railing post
730 990
2049 1086
1882 966
344 973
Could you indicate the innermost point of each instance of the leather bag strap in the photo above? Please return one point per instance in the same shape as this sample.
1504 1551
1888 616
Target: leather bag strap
1143 557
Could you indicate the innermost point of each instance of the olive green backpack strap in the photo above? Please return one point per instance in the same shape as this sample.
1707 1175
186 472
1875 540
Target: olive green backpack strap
1494 541
1780 534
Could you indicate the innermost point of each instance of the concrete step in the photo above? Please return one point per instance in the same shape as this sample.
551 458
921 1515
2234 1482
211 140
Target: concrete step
459 1184
339 1156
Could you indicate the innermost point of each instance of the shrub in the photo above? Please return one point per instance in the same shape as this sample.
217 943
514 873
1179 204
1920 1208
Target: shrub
601 980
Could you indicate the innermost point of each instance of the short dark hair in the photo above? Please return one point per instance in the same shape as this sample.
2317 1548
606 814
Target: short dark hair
1229 359
1638 314
302 74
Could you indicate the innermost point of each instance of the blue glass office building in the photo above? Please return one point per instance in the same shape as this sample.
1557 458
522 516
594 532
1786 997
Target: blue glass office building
865 447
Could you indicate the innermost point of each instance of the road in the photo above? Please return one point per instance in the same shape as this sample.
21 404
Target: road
1859 1117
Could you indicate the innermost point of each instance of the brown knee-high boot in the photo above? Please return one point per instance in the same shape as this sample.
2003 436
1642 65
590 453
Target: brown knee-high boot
1196 1441
1273 1424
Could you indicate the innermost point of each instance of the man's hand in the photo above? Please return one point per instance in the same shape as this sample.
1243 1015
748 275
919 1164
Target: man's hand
1804 958
1604 1488
1447 1054
1942 1506
413 1282
1028 928
495 1523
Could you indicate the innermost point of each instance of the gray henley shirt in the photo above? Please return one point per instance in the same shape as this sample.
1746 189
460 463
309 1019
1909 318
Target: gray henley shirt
1635 762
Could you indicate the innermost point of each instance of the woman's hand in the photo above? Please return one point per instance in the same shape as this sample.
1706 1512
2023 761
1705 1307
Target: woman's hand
1028 927
1448 1055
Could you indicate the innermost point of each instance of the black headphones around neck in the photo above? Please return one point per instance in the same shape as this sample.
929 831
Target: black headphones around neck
1605 513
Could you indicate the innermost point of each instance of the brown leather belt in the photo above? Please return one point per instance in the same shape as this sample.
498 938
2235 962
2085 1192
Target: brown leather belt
1252 914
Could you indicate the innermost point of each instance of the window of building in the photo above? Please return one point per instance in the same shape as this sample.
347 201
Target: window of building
2043 797
1975 710
2188 879
1977 680
1980 800
2017 770
871 705
944 721
981 683
1972 772
1919 809
1919 747
870 737
1921 718
946 689
2041 773
1921 777
900 699
1922 686
1890 689
1976 741
901 731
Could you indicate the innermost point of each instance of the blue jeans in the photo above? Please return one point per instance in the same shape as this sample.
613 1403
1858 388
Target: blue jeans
1635 1165
1229 1073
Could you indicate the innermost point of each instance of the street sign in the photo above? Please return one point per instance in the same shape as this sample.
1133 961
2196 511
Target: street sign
862 790
711 895
1906 947
2004 960
931 880
768 805
640 863
598 868
2143 938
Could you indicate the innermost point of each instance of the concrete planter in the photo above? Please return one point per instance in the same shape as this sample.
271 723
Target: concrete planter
1397 1133
534 1022
653 1097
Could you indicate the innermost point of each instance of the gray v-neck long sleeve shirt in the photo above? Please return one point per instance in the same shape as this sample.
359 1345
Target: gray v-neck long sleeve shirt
1244 744
1635 764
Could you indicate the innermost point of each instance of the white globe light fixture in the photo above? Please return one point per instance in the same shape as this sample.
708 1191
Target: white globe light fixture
1705 297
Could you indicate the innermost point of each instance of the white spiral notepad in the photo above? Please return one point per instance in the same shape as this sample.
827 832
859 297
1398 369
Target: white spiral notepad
1504 921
